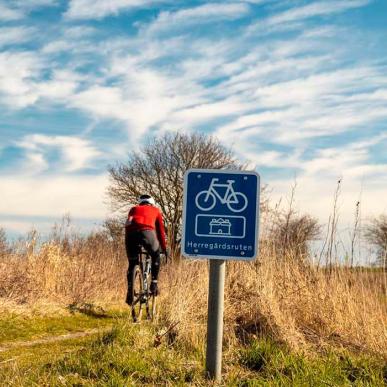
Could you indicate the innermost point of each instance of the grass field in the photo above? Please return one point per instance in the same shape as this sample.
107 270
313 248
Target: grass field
287 323
120 353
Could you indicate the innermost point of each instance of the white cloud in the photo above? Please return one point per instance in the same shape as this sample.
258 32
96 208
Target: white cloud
17 73
35 162
288 91
77 153
20 8
208 111
60 45
102 101
315 196
206 13
271 158
144 98
352 160
320 8
325 103
52 196
322 32
31 4
257 2
302 100
317 175
295 19
9 13
22 84
79 32
16 35
60 87
98 9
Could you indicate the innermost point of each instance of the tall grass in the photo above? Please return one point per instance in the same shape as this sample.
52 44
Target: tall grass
65 269
279 296
282 299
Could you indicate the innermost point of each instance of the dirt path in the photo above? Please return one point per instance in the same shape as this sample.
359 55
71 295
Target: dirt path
51 339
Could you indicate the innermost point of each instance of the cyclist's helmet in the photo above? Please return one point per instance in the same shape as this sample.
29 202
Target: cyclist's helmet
146 199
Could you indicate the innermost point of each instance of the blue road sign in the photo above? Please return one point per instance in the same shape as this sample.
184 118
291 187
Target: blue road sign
220 214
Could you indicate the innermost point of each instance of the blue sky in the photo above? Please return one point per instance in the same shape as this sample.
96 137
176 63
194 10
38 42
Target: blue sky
298 88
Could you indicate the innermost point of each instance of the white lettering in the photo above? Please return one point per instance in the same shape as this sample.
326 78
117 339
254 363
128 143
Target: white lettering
217 246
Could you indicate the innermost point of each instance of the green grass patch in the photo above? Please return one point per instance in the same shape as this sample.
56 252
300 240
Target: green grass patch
125 354
22 366
14 327
273 364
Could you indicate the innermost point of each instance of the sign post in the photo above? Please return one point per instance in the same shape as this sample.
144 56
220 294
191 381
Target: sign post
215 319
220 222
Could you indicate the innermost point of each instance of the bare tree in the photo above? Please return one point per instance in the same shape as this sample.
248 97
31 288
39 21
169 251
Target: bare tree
376 234
158 170
292 232
289 232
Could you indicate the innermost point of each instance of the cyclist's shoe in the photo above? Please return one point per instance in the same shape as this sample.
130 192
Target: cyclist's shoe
153 288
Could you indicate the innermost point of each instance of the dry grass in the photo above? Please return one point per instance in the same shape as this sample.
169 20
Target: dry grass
281 297
66 271
284 299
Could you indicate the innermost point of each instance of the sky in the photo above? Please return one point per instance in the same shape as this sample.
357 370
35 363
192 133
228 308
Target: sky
296 88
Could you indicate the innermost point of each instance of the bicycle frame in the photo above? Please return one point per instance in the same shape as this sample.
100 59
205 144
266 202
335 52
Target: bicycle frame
145 262
230 192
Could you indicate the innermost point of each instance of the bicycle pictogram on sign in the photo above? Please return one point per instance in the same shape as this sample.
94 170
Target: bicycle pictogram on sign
235 201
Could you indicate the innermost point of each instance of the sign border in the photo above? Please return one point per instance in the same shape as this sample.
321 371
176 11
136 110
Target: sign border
185 190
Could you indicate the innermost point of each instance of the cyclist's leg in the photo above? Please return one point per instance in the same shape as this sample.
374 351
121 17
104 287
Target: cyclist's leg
133 247
152 246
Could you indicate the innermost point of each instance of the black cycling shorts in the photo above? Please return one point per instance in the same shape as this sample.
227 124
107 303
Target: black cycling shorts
145 238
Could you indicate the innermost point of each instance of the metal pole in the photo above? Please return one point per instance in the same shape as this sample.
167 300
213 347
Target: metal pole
215 319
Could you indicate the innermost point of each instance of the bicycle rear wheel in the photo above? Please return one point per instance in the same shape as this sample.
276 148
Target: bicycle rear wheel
138 294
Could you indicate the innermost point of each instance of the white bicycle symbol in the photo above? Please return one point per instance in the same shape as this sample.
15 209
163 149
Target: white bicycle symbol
235 201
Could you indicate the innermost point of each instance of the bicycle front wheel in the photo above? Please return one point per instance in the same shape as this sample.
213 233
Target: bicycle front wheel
137 293
151 305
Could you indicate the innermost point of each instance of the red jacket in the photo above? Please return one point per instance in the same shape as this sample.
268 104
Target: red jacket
147 217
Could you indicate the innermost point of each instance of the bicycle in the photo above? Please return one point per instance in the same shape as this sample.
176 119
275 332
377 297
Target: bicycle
235 201
142 297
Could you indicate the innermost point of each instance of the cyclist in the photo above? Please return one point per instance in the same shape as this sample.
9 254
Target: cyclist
144 227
